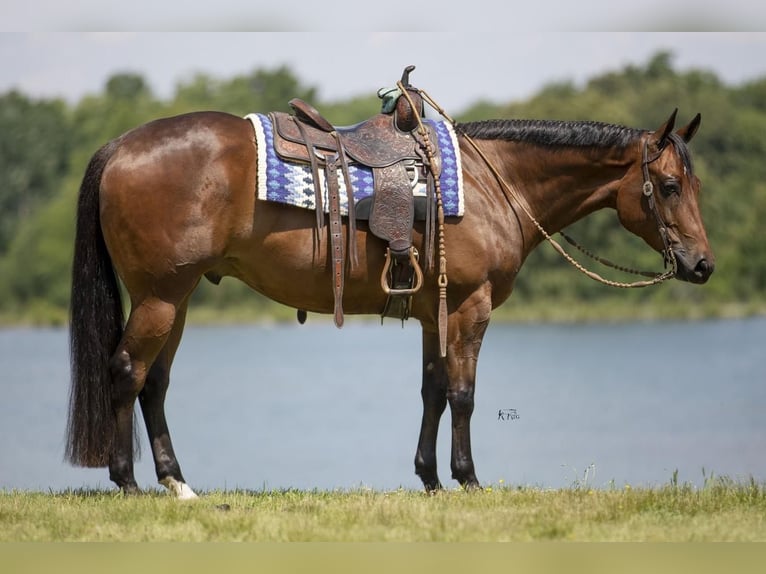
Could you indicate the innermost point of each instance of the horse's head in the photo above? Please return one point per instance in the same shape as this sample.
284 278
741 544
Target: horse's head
658 201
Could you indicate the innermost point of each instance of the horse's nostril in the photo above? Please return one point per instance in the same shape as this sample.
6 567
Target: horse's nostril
704 268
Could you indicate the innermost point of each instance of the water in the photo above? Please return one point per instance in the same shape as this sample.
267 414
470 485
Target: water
314 407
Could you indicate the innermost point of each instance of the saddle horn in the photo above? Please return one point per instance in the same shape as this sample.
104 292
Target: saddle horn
406 116
406 76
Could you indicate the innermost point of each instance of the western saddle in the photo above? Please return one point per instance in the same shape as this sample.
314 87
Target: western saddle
392 145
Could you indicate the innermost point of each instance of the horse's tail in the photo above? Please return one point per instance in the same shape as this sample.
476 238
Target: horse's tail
96 327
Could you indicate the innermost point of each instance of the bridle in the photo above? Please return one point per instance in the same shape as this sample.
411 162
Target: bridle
648 191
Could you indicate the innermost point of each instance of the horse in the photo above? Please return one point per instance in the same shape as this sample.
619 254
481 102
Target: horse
172 201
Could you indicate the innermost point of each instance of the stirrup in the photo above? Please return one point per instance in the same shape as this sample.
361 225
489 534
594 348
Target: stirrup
413 254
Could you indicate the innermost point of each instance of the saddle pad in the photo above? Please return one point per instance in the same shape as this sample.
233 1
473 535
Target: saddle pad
293 183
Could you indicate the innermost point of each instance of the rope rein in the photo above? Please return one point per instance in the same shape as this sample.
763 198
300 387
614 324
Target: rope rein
512 197
435 167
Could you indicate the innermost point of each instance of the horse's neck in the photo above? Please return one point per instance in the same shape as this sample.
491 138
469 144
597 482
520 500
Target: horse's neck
563 185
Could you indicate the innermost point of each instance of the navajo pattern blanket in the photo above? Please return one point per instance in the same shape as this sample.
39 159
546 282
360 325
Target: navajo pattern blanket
293 183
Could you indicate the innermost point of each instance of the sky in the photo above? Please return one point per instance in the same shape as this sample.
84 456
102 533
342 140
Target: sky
342 16
456 68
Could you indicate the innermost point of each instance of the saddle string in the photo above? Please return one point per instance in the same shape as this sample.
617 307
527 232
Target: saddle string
511 196
317 191
435 168
352 250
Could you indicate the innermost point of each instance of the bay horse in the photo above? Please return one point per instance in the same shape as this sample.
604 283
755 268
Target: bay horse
173 201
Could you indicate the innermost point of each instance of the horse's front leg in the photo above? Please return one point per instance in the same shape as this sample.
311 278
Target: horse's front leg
434 394
466 331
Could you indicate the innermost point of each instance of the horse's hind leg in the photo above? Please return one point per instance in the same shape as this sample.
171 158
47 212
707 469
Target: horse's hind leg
152 401
434 395
147 329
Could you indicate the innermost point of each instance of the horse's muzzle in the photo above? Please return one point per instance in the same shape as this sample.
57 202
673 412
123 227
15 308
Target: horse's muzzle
698 271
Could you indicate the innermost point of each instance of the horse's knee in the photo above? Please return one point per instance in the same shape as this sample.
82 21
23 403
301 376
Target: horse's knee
461 400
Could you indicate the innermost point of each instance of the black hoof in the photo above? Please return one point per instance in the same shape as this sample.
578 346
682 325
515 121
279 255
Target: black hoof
130 489
432 485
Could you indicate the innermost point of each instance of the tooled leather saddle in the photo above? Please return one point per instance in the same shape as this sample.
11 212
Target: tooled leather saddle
391 144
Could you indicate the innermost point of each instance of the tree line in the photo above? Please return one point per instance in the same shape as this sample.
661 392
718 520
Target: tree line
45 145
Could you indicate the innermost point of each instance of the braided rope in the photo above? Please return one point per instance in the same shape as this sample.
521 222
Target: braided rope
436 172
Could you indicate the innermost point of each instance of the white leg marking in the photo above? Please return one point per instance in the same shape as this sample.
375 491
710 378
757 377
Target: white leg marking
180 489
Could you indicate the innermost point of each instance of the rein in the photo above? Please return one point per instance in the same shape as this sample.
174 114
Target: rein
435 167
648 191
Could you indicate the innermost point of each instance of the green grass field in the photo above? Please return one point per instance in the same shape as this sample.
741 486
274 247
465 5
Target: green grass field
722 510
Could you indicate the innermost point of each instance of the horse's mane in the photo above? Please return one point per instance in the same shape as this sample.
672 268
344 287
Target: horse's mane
556 133
552 132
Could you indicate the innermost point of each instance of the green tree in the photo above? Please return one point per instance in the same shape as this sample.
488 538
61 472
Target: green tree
34 275
34 157
127 86
262 90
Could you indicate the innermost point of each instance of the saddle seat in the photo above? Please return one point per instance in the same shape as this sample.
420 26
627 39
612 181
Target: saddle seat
376 142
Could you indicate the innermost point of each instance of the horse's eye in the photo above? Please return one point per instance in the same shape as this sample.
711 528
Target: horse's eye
670 187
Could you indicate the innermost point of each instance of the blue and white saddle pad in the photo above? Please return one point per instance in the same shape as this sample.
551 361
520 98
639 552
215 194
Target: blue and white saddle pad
293 183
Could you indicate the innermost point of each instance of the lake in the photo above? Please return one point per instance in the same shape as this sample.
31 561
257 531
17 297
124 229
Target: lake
276 406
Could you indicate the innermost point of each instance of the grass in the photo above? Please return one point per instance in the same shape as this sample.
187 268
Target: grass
722 510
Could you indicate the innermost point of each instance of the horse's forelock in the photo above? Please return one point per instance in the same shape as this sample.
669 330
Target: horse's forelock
683 151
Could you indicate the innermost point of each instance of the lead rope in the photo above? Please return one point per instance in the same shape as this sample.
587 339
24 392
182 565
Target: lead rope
436 172
511 196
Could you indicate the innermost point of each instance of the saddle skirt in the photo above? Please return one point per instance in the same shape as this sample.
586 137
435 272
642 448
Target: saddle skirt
292 183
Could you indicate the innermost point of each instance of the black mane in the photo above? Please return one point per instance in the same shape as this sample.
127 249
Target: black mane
555 133
552 133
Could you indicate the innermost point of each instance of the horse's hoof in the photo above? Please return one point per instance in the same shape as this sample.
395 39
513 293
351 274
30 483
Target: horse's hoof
432 486
179 489
130 490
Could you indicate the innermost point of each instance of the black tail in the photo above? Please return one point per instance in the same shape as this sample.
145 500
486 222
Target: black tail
96 327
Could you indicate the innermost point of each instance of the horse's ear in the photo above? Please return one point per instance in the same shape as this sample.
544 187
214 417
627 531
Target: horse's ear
687 132
659 137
